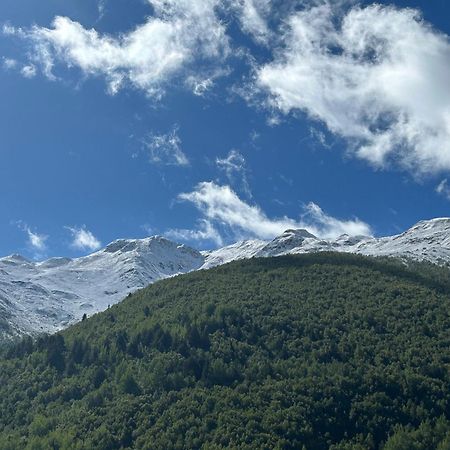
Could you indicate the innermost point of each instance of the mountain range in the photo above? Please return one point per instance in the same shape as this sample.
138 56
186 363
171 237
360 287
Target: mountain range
50 295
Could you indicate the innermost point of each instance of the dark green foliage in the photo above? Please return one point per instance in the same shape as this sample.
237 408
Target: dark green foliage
129 385
310 352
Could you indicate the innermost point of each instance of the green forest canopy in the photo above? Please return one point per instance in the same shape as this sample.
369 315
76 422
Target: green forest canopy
297 352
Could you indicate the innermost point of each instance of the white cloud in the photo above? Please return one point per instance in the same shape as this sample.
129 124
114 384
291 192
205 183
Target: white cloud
233 163
253 17
8 30
221 206
9 63
166 149
328 226
319 137
36 241
199 86
205 232
179 33
101 7
83 239
443 189
234 166
28 71
377 76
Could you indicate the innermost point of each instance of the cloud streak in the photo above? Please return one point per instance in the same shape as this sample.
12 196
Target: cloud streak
221 207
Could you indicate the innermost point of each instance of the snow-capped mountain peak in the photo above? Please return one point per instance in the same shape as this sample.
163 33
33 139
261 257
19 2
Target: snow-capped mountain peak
50 295
287 242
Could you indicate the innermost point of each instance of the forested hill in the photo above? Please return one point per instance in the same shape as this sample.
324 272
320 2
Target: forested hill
302 352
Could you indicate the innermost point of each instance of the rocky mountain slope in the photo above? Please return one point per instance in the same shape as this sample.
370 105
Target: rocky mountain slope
50 295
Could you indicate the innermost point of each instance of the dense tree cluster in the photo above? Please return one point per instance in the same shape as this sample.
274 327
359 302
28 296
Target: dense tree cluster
325 351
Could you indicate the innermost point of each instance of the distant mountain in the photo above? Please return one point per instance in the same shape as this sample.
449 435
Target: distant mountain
50 295
428 240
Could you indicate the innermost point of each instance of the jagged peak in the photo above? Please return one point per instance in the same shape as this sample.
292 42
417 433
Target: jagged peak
126 245
157 245
299 232
120 245
348 239
15 257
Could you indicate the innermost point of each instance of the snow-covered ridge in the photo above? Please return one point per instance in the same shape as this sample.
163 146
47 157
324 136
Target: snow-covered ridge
428 240
50 295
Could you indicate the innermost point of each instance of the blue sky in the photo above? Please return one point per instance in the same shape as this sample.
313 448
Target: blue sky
216 120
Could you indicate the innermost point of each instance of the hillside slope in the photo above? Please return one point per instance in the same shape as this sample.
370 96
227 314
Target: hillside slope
313 351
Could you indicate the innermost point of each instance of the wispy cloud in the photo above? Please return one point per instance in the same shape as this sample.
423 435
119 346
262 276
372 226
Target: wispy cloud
28 71
101 8
221 207
318 136
204 232
166 149
376 76
168 44
443 189
35 241
252 16
199 85
83 239
9 63
234 166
